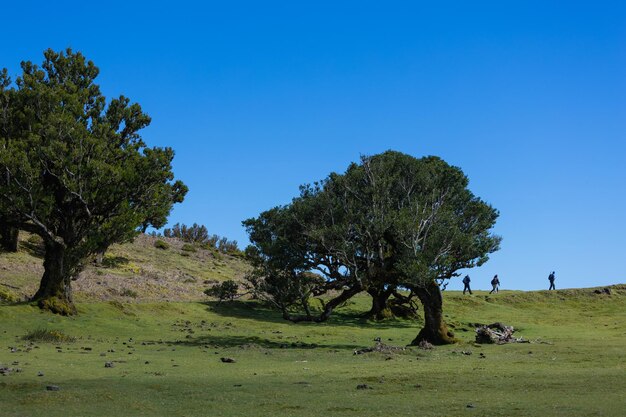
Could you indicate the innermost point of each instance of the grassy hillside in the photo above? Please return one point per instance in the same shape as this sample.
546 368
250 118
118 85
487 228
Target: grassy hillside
155 357
166 360
136 271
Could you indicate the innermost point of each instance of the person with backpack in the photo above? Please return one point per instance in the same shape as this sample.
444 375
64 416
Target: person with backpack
551 279
466 282
495 283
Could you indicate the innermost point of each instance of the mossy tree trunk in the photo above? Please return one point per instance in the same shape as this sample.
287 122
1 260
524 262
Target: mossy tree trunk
435 330
55 289
8 238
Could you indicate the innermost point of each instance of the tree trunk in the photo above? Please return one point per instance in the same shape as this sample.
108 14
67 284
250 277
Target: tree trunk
435 330
55 289
328 307
380 308
8 238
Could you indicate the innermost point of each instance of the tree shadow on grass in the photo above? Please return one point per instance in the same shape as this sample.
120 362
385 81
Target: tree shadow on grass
256 310
250 342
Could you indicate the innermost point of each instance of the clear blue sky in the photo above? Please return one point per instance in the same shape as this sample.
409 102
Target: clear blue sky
528 98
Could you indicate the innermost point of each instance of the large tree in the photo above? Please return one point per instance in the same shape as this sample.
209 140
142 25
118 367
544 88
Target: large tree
389 222
75 169
8 232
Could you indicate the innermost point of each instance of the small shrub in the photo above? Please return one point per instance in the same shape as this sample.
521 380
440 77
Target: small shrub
227 290
6 295
35 239
160 244
45 335
127 292
187 247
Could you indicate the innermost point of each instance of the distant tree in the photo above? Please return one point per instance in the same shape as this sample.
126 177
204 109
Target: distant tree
193 234
392 221
76 171
199 234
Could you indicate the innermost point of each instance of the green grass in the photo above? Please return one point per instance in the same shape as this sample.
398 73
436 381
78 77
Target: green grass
166 360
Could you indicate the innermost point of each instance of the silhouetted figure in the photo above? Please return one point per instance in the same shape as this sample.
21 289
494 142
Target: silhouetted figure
495 283
551 279
466 282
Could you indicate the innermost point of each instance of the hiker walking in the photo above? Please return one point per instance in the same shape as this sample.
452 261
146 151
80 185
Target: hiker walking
551 279
466 282
495 283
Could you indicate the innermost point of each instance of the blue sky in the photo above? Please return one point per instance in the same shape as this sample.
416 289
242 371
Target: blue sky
529 99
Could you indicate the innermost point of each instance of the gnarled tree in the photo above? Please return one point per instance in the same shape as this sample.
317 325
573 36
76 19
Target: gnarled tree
76 171
392 221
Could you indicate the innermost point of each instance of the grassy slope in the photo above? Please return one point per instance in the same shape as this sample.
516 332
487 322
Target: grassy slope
310 369
172 367
138 267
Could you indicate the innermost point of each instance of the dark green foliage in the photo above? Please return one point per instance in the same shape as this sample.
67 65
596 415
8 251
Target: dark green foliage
8 237
75 170
226 290
391 221
160 244
193 234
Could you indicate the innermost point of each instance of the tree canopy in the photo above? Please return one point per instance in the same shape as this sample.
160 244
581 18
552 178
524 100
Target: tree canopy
75 169
390 222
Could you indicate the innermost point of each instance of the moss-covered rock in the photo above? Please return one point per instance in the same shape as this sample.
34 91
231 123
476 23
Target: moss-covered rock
57 305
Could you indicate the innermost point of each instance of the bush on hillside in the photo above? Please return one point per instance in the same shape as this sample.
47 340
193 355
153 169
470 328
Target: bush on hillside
45 335
226 290
6 295
159 244
188 247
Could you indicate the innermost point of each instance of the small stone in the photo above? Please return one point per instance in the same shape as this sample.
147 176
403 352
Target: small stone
109 364
39 373
146 362
227 360
53 388
363 386
471 406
